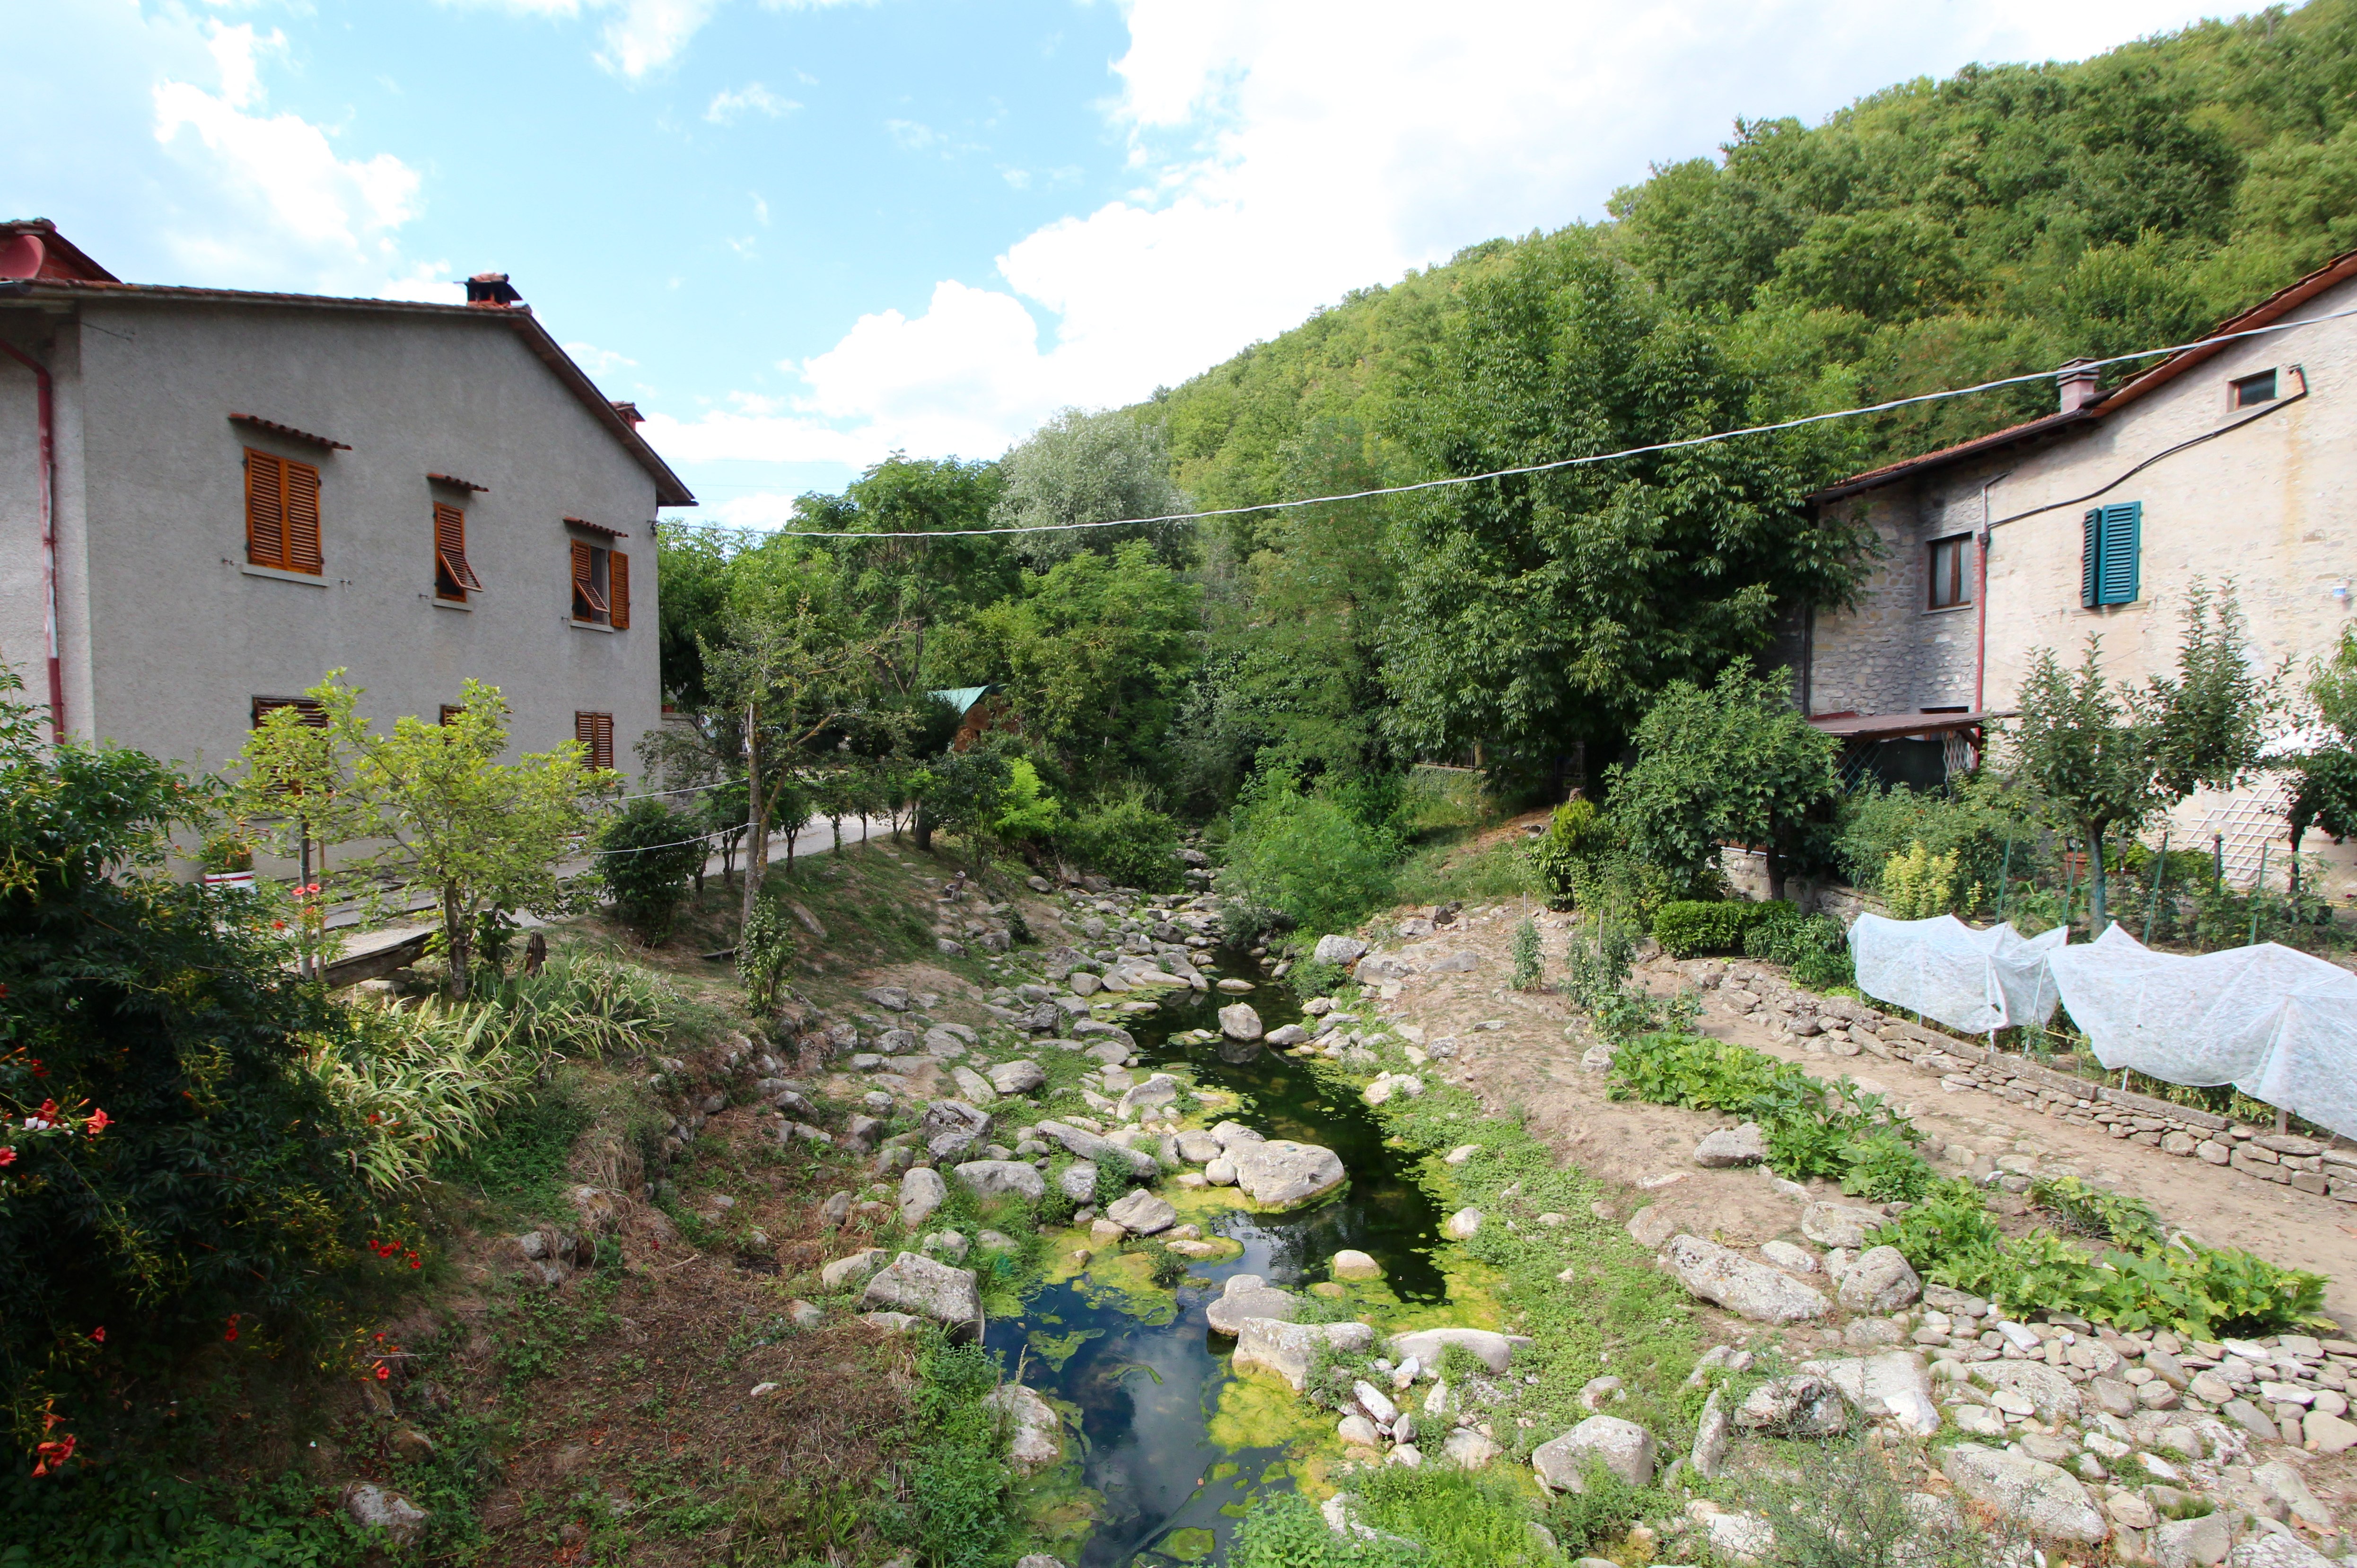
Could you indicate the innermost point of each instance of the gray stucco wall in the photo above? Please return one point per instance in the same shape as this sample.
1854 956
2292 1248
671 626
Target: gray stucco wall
183 636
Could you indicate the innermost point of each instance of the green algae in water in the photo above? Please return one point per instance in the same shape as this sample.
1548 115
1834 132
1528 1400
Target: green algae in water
1190 1545
1058 1348
1224 1469
1254 1413
1235 1511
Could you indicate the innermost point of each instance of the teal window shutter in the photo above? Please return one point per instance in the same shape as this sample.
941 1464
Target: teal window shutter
2110 555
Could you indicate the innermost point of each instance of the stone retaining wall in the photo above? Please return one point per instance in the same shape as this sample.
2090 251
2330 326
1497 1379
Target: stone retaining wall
1837 1025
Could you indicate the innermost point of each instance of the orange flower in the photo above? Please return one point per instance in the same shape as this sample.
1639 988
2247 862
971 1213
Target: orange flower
99 1334
99 1122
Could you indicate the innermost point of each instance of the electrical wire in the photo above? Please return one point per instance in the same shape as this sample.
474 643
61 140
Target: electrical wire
1679 445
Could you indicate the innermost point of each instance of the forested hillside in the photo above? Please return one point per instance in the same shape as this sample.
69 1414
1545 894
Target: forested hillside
1934 234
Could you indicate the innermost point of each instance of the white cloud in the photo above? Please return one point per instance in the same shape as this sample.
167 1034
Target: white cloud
1283 155
642 36
598 361
731 102
285 210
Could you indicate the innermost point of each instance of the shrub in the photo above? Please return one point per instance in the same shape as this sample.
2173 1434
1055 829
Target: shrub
424 1083
1310 859
1692 926
1848 1508
1567 859
1128 840
1967 819
1600 1513
1285 1529
1920 884
1815 949
1455 1516
764 947
2090 1211
646 857
171 1011
1527 955
1027 812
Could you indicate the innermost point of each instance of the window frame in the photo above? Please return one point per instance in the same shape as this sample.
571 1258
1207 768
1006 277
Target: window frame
2238 388
1961 545
590 605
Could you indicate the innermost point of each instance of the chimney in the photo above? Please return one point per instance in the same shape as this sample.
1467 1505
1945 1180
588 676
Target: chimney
629 413
493 290
2077 380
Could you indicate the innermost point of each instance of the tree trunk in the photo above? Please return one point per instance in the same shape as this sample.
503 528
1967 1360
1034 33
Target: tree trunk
2097 910
758 819
458 939
1775 868
921 830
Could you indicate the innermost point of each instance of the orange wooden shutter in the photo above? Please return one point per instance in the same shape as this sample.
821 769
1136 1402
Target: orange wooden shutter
266 509
450 551
586 603
303 518
596 733
617 587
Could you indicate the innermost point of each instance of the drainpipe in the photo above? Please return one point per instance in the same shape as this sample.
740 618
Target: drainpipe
46 405
1980 597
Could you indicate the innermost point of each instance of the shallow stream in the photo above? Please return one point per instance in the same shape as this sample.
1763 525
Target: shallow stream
1147 1391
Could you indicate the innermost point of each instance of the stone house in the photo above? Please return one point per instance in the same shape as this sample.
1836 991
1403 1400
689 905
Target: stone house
210 497
2232 462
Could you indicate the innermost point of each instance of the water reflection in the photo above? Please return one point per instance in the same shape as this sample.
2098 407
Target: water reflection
1146 1392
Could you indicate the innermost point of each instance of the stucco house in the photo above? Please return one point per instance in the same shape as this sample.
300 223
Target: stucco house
210 497
2233 462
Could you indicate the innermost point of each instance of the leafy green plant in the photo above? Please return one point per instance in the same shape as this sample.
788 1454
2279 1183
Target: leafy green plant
1527 955
1815 949
1807 1136
2089 1211
1599 1514
1885 1168
765 945
954 1508
1310 857
424 1083
646 857
1918 885
1455 1516
1285 1529
1575 840
1128 840
1686 926
1165 1267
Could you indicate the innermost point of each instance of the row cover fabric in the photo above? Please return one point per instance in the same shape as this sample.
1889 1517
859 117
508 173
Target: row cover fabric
1972 981
2276 1022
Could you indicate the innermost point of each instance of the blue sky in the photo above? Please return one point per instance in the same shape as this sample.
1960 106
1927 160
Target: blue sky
804 235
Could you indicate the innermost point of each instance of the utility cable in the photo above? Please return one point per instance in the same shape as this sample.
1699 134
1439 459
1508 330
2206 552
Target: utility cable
1560 463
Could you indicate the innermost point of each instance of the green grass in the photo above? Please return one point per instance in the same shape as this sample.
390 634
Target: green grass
1443 873
522 1166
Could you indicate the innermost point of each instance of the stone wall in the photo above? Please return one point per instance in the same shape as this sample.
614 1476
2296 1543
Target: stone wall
1837 1025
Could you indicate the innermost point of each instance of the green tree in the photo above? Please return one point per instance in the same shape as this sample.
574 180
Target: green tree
214 1183
2324 774
483 837
646 857
1093 654
962 792
1734 760
1084 467
1308 856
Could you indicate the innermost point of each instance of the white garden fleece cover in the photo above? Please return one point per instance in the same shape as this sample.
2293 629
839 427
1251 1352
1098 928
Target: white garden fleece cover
1971 981
2277 1025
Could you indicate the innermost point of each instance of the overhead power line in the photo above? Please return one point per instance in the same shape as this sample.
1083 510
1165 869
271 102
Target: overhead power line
1626 452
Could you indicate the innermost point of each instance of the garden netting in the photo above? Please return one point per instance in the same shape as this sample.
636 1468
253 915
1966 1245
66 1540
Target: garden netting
2273 1021
1972 981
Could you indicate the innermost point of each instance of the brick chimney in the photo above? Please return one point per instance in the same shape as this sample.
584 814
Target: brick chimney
493 290
2077 380
629 413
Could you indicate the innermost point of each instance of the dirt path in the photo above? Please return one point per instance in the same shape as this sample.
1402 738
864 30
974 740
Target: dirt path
1521 1049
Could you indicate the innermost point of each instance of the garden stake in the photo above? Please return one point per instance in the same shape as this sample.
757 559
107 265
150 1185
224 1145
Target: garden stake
2159 874
2258 889
2005 877
2217 861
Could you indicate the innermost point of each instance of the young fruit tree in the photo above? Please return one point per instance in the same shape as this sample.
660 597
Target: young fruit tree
2103 759
444 815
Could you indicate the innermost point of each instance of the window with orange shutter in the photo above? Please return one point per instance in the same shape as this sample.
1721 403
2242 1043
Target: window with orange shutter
282 512
307 711
596 733
451 712
454 578
618 587
589 584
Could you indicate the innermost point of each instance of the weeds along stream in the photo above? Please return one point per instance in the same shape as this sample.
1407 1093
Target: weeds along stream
1169 1462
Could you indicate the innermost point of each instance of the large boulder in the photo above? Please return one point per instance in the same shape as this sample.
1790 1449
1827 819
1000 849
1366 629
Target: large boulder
1279 1173
1099 1150
1143 1214
1493 1350
1239 1022
374 1509
1626 1450
1714 1434
989 1179
1273 1345
2041 1499
2201 1542
1742 1285
951 1127
1247 1296
1896 1385
1157 1090
1017 1076
1800 1404
916 1284
844 1273
1349 1263
1036 1434
976 1088
921 1192
1468 1449
1078 1182
1881 1281
1840 1224
1340 950
1732 1146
